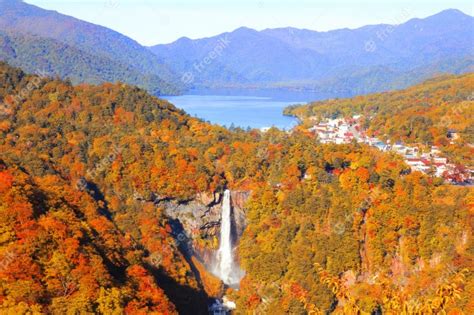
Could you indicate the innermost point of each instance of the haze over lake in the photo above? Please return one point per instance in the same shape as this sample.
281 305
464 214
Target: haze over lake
243 108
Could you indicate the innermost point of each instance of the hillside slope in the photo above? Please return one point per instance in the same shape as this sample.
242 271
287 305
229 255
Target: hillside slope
88 175
41 55
422 114
115 52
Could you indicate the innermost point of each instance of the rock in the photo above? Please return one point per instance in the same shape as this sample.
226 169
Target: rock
239 199
204 213
206 198
200 219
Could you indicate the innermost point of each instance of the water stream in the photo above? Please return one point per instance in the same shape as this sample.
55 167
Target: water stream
224 255
227 269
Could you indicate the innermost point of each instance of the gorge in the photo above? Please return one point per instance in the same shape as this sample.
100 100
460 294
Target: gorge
211 225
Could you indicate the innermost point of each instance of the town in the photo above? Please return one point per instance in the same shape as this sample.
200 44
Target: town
347 130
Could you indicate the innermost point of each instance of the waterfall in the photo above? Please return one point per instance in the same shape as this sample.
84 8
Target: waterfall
225 267
224 255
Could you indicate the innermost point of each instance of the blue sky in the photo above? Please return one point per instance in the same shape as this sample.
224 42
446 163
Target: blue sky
162 21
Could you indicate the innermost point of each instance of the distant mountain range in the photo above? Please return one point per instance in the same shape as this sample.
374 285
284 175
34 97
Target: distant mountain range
36 39
367 59
342 62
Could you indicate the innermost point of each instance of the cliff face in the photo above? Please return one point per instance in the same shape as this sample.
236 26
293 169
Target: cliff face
198 221
239 199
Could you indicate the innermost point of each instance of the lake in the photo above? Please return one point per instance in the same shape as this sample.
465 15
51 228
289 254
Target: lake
243 108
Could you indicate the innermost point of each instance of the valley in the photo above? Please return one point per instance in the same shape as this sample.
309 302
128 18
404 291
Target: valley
278 170
154 179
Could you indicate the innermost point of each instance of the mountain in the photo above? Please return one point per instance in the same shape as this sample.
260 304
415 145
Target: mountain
343 62
36 54
383 78
339 60
72 248
418 41
243 56
117 57
111 200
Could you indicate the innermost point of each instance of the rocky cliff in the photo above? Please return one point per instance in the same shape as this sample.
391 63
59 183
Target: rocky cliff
197 222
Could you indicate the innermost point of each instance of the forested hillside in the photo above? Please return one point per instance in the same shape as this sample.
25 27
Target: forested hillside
86 171
361 239
61 254
36 54
342 62
426 114
82 243
33 39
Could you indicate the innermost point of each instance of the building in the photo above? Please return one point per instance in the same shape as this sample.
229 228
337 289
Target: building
340 131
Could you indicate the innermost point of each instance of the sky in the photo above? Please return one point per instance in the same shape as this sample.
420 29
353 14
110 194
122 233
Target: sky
152 22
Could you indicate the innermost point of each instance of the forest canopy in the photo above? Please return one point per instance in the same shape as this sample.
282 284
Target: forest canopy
75 236
425 114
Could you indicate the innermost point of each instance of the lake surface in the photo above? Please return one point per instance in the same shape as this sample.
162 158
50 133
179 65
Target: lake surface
243 108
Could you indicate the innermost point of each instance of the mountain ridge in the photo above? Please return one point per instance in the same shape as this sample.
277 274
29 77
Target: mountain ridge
19 17
291 54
